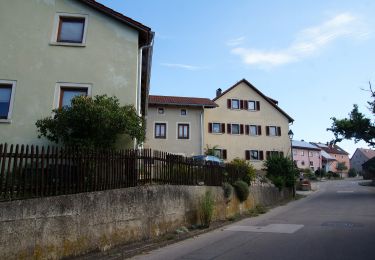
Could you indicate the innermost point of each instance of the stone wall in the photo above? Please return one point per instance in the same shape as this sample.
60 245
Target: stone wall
74 224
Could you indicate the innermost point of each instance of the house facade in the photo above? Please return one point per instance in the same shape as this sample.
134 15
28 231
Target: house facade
359 157
247 125
338 154
54 50
306 155
175 124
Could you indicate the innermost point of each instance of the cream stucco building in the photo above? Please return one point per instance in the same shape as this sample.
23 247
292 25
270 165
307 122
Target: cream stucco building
52 50
175 124
247 124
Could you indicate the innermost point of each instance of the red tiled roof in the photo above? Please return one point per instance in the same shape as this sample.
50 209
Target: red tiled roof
367 152
181 101
332 149
273 102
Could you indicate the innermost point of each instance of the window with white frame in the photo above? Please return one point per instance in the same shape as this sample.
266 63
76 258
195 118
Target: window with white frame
251 105
302 153
235 129
253 130
183 112
7 90
216 128
273 130
235 104
65 92
254 155
70 29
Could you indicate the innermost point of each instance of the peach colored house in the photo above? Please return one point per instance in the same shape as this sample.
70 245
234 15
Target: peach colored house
306 155
338 154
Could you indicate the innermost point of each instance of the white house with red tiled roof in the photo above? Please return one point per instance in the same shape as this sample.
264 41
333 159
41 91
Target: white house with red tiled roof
175 124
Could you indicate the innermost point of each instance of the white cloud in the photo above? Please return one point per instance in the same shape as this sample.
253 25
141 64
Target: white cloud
308 42
236 41
182 66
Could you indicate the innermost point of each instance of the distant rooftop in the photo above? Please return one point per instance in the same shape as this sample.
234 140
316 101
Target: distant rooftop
305 145
181 101
367 152
331 149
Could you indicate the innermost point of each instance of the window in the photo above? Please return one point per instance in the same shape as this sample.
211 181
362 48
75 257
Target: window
251 105
7 89
235 104
311 154
161 111
70 29
303 163
302 153
67 94
160 130
183 131
311 163
221 153
183 112
217 128
273 131
254 155
235 129
295 152
254 130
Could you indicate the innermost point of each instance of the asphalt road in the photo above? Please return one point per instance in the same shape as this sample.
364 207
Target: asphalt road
336 222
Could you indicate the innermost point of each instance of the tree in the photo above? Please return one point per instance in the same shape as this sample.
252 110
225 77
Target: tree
91 122
357 126
210 150
281 171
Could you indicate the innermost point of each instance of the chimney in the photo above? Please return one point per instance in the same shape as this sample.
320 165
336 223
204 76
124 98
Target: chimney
218 92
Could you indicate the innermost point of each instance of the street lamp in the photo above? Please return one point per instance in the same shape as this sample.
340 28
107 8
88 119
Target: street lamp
290 134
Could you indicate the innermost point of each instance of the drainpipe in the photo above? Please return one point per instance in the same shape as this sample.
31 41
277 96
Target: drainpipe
139 85
202 133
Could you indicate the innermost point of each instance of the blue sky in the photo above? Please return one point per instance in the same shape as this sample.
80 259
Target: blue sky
312 56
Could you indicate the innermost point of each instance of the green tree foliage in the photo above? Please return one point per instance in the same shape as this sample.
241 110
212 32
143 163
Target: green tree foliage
352 173
357 126
242 165
281 171
91 122
340 167
210 150
242 190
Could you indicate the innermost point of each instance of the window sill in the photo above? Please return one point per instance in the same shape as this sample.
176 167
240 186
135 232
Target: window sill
68 44
5 121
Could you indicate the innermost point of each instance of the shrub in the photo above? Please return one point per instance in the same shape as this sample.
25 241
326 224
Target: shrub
352 172
228 190
320 173
281 171
91 122
246 169
242 190
206 209
310 175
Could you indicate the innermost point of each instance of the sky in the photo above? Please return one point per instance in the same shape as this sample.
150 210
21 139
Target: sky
315 57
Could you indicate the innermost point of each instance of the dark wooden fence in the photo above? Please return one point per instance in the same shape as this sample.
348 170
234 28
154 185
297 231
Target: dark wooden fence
28 171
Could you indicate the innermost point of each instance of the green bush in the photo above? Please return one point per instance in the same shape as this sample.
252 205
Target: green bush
242 190
228 190
206 209
281 171
92 122
245 167
310 175
352 173
320 173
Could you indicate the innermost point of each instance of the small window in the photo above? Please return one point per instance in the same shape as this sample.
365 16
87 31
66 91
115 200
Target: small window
220 153
235 104
6 99
183 131
183 112
311 163
68 93
235 129
295 152
253 130
161 111
251 105
302 153
160 130
303 163
311 154
70 29
273 131
254 155
216 128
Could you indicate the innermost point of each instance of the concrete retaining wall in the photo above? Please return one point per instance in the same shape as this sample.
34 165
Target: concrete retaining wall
74 224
